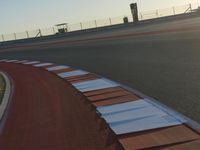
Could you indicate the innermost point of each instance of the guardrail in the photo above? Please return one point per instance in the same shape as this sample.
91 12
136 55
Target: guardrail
146 15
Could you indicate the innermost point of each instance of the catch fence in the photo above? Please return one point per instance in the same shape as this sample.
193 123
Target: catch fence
99 23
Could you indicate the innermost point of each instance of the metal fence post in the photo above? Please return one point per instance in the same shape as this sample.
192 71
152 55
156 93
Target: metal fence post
3 37
15 36
53 30
190 7
40 32
174 11
96 23
68 28
27 34
110 20
157 13
141 16
81 26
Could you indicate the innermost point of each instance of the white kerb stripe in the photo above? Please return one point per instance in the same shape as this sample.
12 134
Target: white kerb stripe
143 124
21 61
97 88
136 116
11 61
72 73
120 117
55 68
3 60
105 110
31 62
95 85
43 65
93 82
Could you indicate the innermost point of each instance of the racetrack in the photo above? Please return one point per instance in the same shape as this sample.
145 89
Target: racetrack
162 65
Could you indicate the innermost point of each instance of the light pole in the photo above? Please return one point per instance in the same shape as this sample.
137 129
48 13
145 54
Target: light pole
198 3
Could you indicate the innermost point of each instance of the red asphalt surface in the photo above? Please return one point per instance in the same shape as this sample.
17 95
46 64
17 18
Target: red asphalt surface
46 113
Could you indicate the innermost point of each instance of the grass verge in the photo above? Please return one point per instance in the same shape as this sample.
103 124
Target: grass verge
2 88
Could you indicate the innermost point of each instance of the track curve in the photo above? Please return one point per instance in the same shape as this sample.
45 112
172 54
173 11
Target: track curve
46 113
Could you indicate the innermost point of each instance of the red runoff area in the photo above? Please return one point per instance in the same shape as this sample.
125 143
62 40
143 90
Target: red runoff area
46 113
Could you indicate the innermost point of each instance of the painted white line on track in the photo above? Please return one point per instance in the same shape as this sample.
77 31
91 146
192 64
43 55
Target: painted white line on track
6 96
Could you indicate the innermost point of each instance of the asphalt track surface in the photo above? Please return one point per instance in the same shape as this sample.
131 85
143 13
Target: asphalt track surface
39 119
164 65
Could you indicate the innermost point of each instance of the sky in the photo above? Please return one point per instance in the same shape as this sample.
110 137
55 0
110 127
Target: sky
22 15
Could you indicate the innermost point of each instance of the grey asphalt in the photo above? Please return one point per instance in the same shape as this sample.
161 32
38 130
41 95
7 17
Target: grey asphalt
163 66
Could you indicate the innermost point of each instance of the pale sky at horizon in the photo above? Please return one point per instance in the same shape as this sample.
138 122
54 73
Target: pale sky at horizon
22 15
